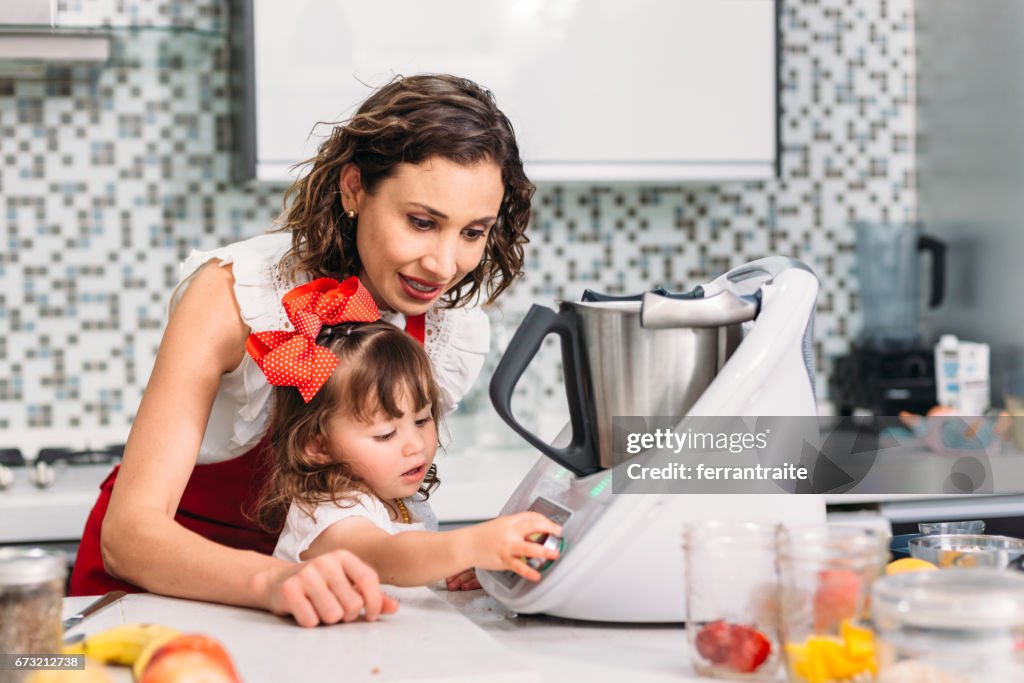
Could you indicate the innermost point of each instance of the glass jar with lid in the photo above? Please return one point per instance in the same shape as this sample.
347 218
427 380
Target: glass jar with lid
825 578
31 591
953 626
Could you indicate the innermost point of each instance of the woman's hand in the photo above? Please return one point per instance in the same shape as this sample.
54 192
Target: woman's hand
463 581
329 588
502 543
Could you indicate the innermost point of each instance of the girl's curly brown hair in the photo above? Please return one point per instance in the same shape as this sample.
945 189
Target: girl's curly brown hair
410 120
379 364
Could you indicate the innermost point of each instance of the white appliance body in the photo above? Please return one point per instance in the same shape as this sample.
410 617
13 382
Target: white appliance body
622 557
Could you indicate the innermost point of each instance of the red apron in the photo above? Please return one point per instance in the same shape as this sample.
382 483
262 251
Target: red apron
213 505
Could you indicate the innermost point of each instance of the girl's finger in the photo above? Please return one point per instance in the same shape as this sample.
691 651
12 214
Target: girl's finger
388 604
536 531
367 583
555 530
524 570
458 581
536 522
530 549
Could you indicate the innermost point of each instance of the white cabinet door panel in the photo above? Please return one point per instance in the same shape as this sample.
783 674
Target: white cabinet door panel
596 89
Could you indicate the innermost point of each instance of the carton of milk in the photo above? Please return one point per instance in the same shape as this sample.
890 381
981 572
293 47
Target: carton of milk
961 375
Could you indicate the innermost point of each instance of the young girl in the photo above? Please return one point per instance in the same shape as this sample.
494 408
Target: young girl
354 432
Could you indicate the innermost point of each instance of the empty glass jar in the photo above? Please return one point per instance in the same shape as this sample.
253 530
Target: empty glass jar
955 626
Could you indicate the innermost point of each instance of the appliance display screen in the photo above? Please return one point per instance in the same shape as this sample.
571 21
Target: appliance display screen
553 511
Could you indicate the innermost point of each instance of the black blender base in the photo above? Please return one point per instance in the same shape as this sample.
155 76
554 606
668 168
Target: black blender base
884 382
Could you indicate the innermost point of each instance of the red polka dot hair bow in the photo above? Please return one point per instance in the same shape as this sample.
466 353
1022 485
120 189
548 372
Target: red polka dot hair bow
293 359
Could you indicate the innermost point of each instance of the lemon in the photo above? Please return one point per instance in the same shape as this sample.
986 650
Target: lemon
909 564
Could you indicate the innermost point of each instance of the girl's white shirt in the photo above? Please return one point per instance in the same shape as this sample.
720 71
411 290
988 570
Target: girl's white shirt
300 530
456 341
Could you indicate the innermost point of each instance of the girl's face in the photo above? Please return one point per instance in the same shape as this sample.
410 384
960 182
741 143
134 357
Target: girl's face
423 229
390 455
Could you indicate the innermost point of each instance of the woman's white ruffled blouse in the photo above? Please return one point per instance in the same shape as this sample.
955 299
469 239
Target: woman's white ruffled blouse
456 340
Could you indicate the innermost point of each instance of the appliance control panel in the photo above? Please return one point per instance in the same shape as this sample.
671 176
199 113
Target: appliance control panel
557 514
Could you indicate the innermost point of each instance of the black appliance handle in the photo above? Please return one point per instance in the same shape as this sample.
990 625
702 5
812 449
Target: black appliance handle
936 248
590 295
580 456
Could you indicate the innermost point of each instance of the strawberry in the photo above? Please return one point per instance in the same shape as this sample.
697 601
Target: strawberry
749 648
714 642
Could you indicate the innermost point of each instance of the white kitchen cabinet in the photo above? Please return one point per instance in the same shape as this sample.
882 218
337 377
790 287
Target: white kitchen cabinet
597 90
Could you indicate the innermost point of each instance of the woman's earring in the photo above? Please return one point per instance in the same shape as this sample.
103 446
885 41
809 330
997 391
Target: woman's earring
350 214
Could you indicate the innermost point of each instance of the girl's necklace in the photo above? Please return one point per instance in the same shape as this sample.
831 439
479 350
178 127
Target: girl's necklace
403 511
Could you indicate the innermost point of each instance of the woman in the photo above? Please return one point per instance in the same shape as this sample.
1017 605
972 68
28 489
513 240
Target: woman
421 194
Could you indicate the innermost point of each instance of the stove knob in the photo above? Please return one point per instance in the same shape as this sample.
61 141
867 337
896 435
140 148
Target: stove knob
42 474
541 564
6 477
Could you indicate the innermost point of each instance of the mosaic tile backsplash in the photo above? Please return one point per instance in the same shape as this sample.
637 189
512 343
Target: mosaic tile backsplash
110 178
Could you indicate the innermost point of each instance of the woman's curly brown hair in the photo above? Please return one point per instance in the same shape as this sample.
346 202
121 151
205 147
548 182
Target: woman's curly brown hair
410 120
379 364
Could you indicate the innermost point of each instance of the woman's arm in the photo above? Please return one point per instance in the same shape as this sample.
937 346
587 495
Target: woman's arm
416 558
143 544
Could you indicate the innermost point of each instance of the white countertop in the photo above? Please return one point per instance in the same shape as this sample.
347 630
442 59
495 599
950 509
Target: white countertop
435 636
569 650
475 484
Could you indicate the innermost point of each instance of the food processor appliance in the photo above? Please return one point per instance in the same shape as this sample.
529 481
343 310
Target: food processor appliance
737 346
891 367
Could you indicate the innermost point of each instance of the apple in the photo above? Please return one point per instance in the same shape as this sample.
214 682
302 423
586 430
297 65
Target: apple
190 658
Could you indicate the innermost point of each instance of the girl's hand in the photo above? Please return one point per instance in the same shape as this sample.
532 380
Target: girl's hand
465 581
502 543
329 588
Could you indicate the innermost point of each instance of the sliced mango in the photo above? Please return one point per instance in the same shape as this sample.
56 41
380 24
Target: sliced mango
823 659
859 641
812 668
839 666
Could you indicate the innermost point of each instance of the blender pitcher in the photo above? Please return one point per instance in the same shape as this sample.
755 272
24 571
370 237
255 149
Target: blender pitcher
888 268
651 354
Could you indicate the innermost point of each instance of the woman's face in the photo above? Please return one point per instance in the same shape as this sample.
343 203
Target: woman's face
423 229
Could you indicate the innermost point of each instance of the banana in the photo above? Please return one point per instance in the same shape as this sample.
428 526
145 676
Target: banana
121 644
